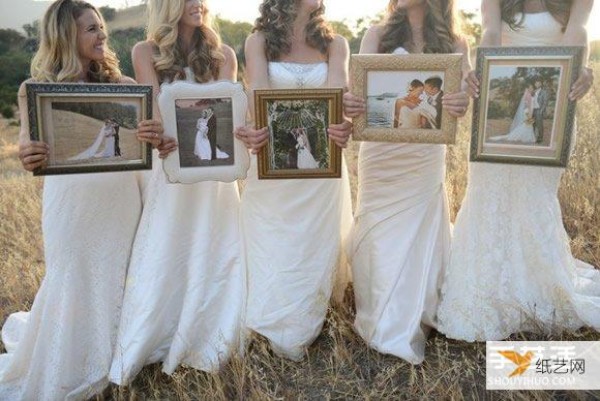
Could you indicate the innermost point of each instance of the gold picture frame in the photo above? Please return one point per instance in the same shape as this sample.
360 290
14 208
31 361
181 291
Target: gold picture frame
90 128
523 114
299 146
387 82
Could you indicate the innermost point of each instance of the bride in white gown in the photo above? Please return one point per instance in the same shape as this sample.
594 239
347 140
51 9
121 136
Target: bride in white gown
107 136
63 348
521 129
202 144
305 157
401 234
185 291
511 267
293 229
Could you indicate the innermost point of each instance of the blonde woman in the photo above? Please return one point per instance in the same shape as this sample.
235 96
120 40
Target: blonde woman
401 234
185 288
511 267
63 348
292 229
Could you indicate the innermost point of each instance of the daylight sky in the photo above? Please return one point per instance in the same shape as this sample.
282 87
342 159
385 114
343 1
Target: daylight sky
351 10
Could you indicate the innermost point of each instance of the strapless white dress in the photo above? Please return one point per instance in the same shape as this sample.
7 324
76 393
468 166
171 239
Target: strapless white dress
185 291
292 231
62 349
511 267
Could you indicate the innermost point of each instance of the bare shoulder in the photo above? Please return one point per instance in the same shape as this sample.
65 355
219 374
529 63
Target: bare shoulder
339 44
255 41
23 88
125 80
228 52
143 50
375 32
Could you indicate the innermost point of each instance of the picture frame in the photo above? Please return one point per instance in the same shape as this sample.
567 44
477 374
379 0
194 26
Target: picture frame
90 128
523 114
298 145
204 116
403 96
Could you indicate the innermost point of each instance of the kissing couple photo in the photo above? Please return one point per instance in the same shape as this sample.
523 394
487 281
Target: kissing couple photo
109 136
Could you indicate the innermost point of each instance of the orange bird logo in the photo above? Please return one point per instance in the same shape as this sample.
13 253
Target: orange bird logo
522 361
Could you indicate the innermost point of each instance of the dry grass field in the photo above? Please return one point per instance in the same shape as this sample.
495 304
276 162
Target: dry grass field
338 366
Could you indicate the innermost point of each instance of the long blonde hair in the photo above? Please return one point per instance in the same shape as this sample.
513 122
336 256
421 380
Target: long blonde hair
57 59
276 20
441 29
560 10
206 57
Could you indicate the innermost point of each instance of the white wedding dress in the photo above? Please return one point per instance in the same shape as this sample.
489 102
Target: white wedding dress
185 291
305 157
62 349
202 144
292 231
400 242
522 132
511 267
92 151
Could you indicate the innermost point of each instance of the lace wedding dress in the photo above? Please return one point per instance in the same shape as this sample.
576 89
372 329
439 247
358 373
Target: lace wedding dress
185 291
62 349
511 267
292 232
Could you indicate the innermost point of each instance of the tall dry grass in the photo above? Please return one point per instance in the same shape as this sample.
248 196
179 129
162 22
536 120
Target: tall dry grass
338 366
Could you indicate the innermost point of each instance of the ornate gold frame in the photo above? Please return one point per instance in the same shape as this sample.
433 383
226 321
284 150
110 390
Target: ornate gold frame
362 64
334 98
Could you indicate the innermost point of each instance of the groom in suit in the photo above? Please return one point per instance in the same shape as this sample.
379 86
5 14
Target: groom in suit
212 133
116 128
433 103
539 110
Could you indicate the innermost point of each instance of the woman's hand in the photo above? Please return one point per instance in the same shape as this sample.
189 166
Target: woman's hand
354 106
456 103
150 131
167 145
583 84
252 138
340 133
472 84
33 154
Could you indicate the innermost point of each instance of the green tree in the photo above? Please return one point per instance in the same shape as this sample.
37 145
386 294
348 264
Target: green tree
342 29
108 13
471 28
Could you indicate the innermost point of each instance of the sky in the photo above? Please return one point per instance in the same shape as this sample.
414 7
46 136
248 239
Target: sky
247 10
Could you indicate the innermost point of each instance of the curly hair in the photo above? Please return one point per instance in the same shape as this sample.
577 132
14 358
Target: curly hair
441 30
170 59
560 10
276 20
57 59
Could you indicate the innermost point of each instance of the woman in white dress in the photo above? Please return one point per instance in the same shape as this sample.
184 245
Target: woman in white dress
406 113
521 129
293 229
109 145
62 349
202 144
305 157
401 234
185 289
511 267
92 151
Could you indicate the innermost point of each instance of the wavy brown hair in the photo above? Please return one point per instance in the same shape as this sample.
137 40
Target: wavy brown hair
170 59
560 10
441 29
57 59
276 23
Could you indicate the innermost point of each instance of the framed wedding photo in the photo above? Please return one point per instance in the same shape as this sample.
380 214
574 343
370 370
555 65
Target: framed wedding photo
299 146
90 128
523 114
203 117
404 93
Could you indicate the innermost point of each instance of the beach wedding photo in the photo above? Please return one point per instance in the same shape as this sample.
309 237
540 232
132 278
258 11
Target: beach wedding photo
273 200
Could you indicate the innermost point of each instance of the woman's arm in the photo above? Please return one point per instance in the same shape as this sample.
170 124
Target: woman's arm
230 66
151 131
576 35
257 76
339 58
33 154
354 106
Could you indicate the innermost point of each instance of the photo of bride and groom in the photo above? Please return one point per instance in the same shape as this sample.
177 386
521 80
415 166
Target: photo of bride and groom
109 136
521 105
405 99
205 132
